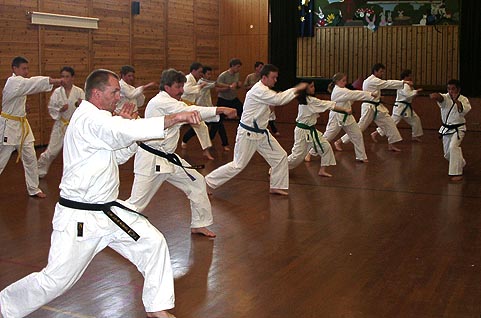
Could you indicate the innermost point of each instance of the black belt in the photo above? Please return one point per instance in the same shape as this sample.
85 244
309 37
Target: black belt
449 127
256 129
172 158
407 105
373 103
106 208
342 112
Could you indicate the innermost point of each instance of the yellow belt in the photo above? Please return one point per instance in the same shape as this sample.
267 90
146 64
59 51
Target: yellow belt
64 121
188 102
25 130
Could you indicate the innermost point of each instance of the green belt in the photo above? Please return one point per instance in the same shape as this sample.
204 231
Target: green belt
314 135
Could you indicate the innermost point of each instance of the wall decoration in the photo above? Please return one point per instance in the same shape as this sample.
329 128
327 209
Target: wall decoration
402 12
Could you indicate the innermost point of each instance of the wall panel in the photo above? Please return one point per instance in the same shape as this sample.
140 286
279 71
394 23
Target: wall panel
431 52
165 34
243 34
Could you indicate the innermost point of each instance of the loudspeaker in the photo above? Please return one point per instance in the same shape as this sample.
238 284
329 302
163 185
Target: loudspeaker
135 7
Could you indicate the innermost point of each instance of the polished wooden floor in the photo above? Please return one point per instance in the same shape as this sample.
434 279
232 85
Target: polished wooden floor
391 238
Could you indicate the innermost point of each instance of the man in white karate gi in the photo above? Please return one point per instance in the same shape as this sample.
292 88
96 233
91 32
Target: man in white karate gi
128 92
88 217
15 131
192 89
373 109
156 161
63 102
454 107
252 134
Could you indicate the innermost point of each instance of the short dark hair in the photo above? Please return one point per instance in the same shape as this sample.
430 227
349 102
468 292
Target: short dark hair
267 68
195 66
454 82
205 69
17 60
124 70
406 73
98 79
376 67
171 76
68 69
256 64
234 62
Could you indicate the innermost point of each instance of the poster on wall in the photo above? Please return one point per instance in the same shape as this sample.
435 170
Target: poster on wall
373 14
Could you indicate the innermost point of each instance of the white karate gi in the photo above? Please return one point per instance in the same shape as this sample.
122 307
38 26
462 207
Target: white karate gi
405 112
452 138
191 93
95 144
15 131
151 170
256 109
58 99
337 121
380 113
130 94
303 138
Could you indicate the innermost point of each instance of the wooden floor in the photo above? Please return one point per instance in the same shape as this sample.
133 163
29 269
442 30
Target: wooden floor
391 238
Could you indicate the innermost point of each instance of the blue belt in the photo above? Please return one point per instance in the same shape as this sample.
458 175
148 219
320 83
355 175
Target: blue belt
256 129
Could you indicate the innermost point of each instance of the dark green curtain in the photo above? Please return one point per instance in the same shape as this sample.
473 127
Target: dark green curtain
470 47
283 31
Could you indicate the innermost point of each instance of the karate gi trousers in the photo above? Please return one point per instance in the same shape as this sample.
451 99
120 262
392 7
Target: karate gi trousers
247 143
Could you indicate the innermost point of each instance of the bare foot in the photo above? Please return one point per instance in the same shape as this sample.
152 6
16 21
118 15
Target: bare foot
39 195
203 231
417 139
324 173
338 145
308 157
160 314
457 178
277 134
207 154
391 147
226 148
278 191
183 145
374 135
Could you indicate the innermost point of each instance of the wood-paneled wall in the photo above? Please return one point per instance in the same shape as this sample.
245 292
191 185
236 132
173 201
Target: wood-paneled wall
432 52
243 34
166 33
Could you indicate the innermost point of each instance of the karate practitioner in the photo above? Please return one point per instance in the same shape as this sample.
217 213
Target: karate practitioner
373 108
253 78
63 102
129 93
344 120
403 109
454 107
204 99
192 89
156 162
306 136
88 217
15 131
252 134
